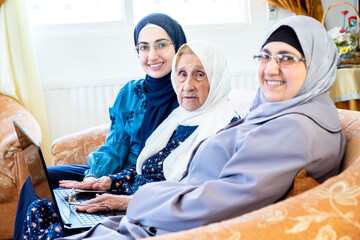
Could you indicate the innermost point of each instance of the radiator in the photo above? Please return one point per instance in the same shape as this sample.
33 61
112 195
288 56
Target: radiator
74 106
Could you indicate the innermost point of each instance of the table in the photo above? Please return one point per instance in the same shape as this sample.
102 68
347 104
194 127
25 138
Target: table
346 90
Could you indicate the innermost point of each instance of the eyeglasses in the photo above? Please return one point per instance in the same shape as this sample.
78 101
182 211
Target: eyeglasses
283 60
73 201
161 47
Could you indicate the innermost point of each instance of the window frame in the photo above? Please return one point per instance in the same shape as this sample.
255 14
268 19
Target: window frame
121 26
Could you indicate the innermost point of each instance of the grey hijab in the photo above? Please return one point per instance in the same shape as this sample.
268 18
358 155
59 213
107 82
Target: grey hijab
321 60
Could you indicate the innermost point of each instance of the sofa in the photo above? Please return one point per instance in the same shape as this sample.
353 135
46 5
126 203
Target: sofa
13 170
330 210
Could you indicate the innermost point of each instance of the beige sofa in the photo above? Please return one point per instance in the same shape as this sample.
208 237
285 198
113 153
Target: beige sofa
13 170
330 210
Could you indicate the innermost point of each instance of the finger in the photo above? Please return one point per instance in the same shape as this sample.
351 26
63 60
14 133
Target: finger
97 209
80 185
91 209
68 181
71 185
94 201
82 208
95 187
103 186
66 185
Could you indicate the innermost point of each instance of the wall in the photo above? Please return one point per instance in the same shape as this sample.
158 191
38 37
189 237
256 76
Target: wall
87 59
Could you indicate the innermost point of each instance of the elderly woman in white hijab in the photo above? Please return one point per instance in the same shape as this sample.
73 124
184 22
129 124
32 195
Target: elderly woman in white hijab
292 125
201 80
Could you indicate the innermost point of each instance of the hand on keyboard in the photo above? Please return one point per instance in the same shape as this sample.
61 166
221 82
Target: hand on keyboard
114 202
99 184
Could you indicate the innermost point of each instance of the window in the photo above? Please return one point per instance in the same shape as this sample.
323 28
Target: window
196 12
78 16
49 12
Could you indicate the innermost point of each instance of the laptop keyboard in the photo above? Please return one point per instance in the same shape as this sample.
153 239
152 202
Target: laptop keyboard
88 219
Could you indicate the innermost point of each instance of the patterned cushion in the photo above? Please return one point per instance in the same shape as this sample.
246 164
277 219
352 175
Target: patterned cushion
301 184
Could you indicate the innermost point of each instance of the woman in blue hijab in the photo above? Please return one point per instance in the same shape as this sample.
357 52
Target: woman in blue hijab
140 106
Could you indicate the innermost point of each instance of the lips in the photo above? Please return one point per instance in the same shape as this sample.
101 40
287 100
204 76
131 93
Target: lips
190 96
274 83
155 66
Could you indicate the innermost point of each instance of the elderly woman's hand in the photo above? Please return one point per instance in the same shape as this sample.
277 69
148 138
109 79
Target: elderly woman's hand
104 202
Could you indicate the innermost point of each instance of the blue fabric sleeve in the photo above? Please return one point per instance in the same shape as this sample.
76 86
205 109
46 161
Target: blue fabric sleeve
122 142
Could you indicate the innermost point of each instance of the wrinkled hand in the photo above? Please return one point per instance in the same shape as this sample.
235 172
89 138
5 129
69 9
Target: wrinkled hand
114 202
102 184
98 184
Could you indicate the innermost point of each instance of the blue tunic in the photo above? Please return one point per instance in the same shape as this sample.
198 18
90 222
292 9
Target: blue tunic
123 140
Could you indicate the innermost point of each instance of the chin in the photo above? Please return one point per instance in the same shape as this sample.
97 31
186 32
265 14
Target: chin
158 74
272 98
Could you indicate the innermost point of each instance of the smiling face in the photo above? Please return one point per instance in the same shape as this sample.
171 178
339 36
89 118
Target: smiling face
191 82
281 83
156 64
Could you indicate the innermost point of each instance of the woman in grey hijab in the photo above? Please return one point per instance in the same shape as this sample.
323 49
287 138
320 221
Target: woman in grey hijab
292 125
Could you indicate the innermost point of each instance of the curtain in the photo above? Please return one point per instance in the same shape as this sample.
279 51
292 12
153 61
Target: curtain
311 8
18 71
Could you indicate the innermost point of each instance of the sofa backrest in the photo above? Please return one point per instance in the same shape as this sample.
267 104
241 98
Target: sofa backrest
350 121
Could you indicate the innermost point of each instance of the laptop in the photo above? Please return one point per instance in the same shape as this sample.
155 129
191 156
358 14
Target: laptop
71 220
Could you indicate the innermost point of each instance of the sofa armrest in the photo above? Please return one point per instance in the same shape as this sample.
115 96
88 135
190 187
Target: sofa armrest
13 170
74 148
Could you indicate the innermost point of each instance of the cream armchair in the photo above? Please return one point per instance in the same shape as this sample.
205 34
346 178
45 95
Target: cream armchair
13 170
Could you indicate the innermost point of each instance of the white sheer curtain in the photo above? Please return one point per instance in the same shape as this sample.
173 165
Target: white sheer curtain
18 71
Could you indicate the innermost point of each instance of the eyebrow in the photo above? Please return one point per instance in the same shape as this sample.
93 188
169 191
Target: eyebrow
280 52
196 67
158 40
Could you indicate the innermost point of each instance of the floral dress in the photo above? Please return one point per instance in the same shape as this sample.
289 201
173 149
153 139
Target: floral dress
128 181
42 222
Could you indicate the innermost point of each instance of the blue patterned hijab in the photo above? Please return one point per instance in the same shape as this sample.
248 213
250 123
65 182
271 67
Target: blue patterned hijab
160 96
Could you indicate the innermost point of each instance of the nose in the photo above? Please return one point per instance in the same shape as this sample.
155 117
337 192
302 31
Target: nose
272 67
152 53
188 84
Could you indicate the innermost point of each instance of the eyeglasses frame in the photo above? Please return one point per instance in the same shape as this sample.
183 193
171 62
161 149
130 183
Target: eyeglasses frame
276 58
138 52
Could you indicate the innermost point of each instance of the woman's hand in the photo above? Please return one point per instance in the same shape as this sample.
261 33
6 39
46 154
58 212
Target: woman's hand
114 202
98 184
102 184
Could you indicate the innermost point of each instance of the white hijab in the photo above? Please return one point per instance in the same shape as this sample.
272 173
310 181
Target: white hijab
212 116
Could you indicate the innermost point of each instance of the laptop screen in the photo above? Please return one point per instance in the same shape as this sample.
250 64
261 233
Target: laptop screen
35 162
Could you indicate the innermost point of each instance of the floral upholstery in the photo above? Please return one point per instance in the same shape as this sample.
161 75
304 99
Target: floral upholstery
330 210
74 148
13 170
